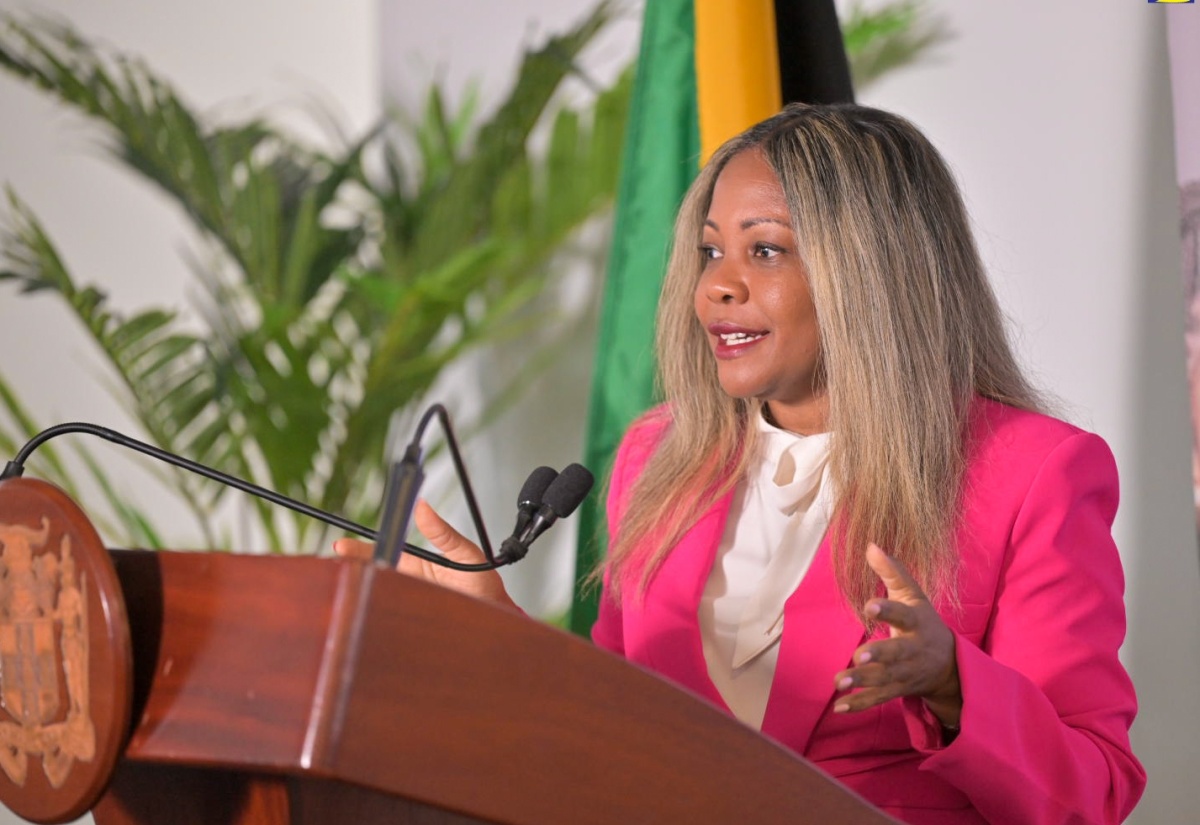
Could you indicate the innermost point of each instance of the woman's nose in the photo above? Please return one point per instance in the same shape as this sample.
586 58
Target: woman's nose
724 285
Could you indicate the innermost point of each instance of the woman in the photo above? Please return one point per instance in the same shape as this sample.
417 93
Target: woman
849 525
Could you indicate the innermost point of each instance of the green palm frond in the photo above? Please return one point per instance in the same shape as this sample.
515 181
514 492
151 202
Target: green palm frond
248 187
889 36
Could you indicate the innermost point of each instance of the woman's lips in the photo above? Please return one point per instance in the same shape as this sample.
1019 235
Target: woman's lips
732 341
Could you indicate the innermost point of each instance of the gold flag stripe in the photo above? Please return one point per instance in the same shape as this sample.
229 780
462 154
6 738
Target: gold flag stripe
737 68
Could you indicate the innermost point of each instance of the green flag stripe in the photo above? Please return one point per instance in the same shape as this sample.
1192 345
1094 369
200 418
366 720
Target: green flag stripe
662 148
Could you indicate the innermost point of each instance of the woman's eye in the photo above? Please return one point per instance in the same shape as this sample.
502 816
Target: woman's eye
710 252
765 250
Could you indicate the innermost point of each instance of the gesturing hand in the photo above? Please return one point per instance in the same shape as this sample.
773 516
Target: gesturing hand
916 660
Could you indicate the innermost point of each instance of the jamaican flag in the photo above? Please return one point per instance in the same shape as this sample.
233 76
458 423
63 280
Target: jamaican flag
706 70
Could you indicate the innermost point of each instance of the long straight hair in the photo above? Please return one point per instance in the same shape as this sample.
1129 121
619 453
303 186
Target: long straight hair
910 333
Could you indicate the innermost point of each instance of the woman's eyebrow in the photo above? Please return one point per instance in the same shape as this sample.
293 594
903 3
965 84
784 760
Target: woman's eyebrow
749 222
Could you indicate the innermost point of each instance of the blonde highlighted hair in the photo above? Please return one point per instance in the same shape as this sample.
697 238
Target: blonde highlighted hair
910 333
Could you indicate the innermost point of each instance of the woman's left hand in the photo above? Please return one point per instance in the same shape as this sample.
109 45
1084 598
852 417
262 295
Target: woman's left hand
916 660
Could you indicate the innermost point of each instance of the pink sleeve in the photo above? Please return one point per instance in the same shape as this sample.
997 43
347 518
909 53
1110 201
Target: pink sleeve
608 631
635 450
1046 703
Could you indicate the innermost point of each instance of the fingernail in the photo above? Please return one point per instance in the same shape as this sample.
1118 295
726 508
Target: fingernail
864 657
846 683
873 608
841 708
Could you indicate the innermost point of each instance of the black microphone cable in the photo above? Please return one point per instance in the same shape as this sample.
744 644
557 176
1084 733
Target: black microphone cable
16 468
404 481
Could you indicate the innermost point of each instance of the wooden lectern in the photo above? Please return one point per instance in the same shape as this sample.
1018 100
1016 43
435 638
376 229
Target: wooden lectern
225 688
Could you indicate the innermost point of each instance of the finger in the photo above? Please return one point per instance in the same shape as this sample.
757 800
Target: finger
864 699
883 665
353 549
847 679
896 578
883 652
453 544
416 566
898 615
898 675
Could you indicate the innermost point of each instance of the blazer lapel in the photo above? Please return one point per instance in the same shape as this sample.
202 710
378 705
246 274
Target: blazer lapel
672 605
820 632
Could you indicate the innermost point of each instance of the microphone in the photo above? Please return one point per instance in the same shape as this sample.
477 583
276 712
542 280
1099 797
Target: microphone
530 497
562 496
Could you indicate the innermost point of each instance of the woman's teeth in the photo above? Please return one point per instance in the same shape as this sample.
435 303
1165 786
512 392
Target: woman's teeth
735 338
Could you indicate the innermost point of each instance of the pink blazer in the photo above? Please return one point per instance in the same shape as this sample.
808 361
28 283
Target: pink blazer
1046 704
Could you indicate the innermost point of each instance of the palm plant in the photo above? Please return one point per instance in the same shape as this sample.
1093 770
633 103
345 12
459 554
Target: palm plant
333 296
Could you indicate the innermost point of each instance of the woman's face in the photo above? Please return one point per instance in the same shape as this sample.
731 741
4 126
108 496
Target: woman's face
753 299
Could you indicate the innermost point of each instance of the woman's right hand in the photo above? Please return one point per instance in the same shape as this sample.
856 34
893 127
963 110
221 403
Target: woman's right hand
454 545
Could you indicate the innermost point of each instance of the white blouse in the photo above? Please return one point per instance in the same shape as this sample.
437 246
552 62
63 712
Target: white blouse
778 517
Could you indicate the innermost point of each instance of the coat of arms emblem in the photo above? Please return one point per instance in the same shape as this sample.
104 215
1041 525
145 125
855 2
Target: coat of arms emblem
43 656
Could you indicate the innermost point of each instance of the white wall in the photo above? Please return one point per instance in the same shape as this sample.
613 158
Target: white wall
1055 116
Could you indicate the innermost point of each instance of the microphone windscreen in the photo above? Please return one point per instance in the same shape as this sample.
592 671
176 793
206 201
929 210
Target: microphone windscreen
534 488
568 490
